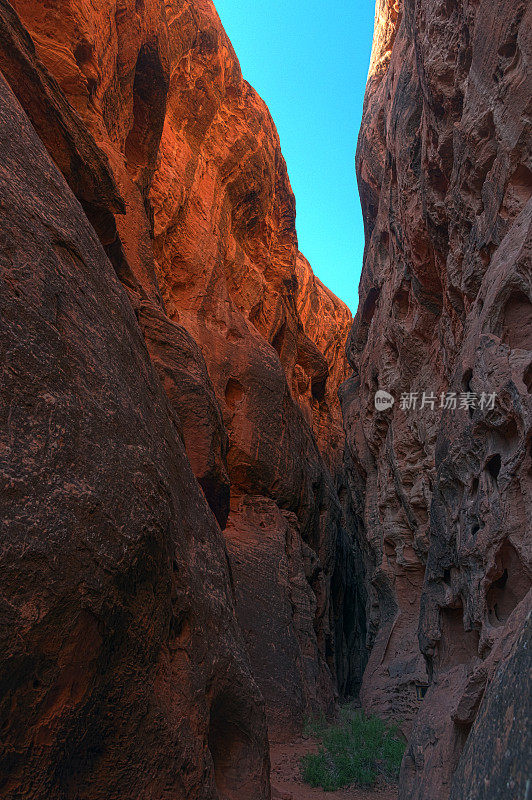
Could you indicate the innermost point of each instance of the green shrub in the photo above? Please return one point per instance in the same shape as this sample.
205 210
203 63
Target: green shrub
356 750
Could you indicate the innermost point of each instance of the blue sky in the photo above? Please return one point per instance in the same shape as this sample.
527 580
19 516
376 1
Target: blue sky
309 60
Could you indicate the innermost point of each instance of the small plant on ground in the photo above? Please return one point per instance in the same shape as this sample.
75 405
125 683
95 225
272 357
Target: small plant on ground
356 750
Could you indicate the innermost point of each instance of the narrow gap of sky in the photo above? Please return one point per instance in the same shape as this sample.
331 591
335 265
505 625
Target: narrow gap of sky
309 59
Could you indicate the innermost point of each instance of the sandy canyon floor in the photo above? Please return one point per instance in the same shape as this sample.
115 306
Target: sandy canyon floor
287 783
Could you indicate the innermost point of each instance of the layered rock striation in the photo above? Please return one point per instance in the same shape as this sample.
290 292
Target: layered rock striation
442 493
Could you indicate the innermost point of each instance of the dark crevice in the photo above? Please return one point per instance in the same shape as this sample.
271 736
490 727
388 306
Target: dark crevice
493 466
229 744
278 340
150 89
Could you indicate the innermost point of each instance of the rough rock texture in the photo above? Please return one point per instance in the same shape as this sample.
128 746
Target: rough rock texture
226 250
326 322
273 570
188 193
497 757
123 670
113 65
442 496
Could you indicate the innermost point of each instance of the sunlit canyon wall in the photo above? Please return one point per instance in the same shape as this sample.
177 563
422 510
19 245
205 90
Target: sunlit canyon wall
178 550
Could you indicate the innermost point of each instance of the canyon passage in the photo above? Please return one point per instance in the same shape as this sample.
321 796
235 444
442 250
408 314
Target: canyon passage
211 532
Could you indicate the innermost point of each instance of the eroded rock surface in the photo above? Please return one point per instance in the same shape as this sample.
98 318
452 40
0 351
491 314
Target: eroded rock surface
226 255
496 759
273 570
326 322
123 669
443 495
177 166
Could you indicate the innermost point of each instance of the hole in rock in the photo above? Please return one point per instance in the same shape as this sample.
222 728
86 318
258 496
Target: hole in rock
438 109
527 378
493 466
467 377
501 582
421 690
457 102
486 253
438 180
317 387
368 309
507 50
517 322
486 128
230 745
234 392
447 575
509 587
84 55
466 380
150 89
179 627
83 52
382 249
314 365
278 339
401 302
255 313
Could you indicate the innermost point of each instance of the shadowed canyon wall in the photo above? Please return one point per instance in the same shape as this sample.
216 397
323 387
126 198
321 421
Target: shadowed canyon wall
443 496
123 669
178 541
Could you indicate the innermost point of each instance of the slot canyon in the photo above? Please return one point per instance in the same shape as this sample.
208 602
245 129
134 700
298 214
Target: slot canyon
209 531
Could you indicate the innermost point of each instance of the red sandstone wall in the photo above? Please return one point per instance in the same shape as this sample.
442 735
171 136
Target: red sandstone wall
444 172
178 169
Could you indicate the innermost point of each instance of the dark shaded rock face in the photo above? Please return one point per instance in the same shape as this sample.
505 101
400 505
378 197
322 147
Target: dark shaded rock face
443 496
497 757
163 381
123 670
276 606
